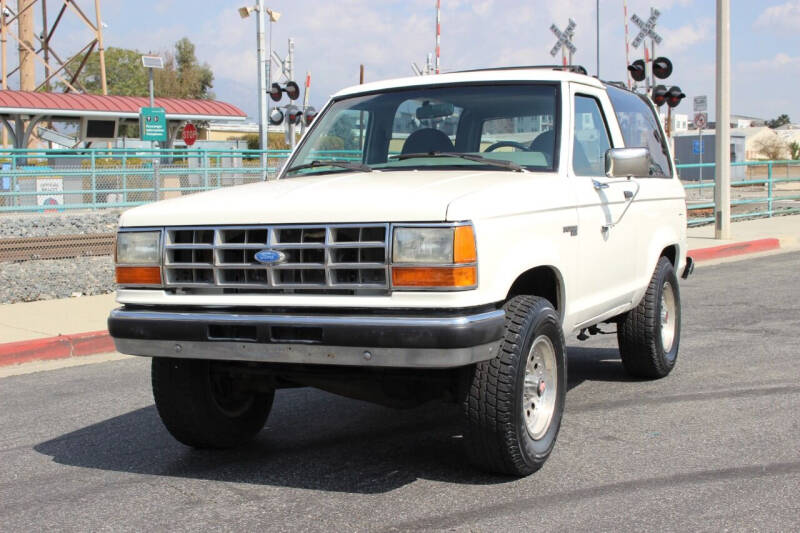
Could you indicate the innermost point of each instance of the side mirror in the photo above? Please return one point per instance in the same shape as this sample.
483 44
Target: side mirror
627 162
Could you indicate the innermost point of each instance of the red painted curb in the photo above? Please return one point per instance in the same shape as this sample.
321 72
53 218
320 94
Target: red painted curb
77 344
14 353
737 248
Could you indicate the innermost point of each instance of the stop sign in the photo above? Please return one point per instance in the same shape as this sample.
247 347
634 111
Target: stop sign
189 134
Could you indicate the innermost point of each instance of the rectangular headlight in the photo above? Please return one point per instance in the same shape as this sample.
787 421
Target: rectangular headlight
434 258
139 248
423 245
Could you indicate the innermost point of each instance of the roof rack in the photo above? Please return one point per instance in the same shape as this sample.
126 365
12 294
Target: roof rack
577 69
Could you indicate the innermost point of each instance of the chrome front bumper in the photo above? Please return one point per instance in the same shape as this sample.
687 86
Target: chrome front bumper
409 341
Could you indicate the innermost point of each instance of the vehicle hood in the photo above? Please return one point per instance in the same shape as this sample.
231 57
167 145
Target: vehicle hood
408 196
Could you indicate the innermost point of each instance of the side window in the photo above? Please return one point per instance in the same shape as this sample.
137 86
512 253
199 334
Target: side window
346 137
591 138
640 128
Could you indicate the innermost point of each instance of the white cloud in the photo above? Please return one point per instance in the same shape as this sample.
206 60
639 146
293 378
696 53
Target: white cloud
784 16
781 62
685 37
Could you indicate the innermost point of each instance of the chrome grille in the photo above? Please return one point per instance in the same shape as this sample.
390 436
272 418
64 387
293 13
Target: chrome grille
319 258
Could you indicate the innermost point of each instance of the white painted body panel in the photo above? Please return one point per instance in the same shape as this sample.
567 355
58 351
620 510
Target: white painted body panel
519 220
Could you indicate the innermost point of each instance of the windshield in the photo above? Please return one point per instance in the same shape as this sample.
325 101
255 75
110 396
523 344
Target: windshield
514 123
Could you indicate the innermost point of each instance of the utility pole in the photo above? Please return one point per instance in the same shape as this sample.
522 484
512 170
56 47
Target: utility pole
262 88
27 68
597 12
722 190
101 53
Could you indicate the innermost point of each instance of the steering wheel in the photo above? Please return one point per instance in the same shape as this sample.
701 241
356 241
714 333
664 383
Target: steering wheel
502 144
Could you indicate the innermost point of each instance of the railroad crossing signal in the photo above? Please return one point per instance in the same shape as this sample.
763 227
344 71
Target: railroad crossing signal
564 38
646 29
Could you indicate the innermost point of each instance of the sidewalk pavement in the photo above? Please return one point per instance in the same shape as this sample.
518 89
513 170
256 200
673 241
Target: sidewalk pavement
71 327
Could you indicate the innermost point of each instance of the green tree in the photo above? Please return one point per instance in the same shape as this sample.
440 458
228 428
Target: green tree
794 150
124 73
182 76
778 122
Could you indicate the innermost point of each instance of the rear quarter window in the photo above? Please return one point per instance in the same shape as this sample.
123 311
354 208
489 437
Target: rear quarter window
640 128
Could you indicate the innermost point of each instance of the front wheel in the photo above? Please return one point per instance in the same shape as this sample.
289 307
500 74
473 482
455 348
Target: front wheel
203 406
649 334
516 400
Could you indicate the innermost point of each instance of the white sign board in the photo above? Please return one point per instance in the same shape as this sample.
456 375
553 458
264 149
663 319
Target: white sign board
700 104
700 120
50 192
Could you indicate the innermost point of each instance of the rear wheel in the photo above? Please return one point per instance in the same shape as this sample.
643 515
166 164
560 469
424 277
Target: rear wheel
516 400
203 406
649 335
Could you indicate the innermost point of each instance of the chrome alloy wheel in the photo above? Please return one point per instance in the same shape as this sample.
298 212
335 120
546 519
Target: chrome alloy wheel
541 382
668 316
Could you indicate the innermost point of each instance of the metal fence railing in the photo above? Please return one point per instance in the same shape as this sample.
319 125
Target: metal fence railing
56 180
762 189
63 180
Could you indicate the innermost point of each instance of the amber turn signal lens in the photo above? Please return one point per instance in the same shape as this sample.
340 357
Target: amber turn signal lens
464 245
135 275
434 276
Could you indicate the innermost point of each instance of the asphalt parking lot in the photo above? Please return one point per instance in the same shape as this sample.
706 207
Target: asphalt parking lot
712 447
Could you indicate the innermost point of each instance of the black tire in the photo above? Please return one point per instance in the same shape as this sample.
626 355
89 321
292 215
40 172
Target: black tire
205 409
639 332
497 437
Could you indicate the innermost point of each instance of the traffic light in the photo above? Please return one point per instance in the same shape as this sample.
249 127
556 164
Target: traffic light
309 115
660 95
276 117
674 96
662 68
275 92
291 89
293 114
637 70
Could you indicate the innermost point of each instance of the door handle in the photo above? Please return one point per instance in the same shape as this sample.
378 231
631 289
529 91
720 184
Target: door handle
628 195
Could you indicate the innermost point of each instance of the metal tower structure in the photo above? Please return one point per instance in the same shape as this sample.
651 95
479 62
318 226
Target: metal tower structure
37 47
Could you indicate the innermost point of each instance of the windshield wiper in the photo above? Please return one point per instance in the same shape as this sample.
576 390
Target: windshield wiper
510 165
349 165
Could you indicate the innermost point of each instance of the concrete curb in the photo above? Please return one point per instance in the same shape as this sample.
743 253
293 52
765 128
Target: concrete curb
733 249
96 342
63 346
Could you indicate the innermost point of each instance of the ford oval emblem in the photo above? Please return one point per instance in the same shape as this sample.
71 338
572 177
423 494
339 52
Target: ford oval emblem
270 257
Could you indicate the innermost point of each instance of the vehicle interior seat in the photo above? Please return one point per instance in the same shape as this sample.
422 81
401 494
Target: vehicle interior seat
545 143
427 140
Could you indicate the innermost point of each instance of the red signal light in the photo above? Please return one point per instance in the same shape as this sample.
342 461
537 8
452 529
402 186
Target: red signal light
637 70
674 96
659 95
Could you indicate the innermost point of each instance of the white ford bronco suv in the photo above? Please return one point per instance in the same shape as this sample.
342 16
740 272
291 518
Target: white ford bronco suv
430 238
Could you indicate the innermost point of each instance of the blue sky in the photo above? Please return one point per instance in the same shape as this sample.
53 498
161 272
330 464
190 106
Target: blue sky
333 38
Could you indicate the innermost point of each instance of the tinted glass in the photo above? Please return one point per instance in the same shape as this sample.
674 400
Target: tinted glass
640 128
510 122
591 138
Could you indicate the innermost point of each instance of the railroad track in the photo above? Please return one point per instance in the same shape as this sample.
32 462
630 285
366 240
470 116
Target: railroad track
56 247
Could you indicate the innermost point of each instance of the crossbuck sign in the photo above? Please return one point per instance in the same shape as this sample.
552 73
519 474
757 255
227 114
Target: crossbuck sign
646 29
564 38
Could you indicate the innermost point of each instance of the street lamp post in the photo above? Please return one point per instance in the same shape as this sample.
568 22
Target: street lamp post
263 106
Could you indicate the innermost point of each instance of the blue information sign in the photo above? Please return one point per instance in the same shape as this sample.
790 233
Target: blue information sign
697 146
